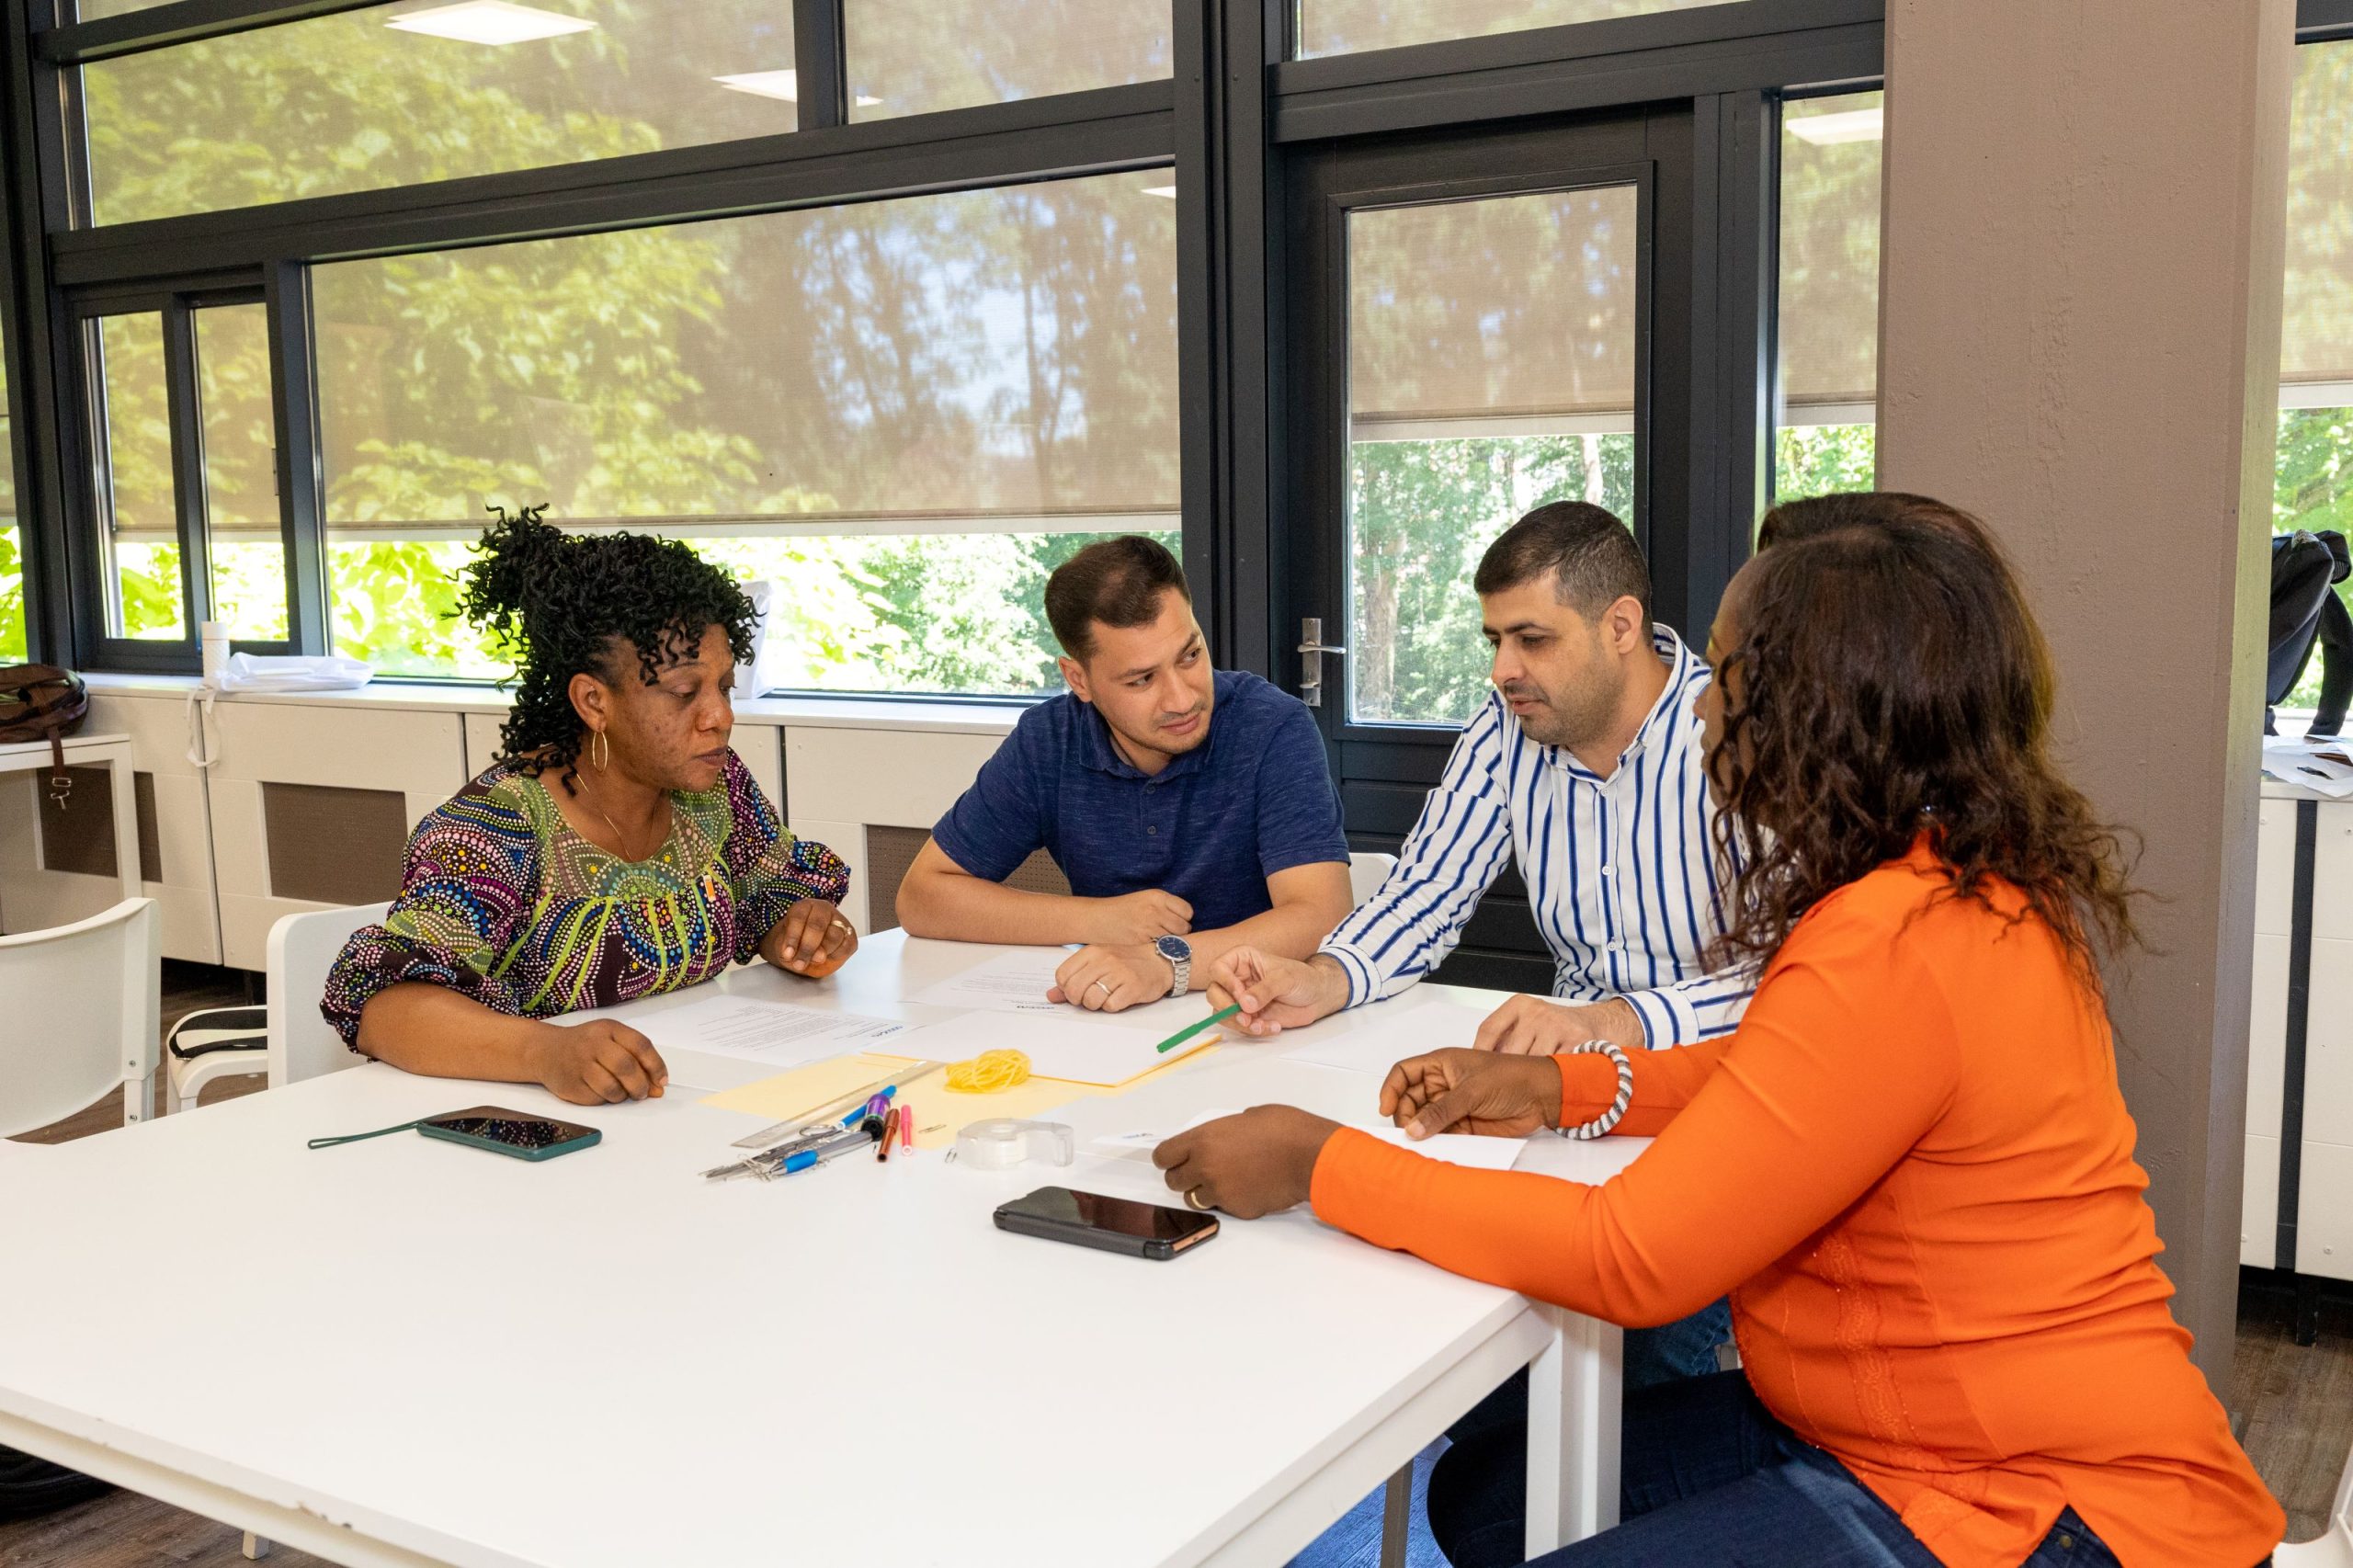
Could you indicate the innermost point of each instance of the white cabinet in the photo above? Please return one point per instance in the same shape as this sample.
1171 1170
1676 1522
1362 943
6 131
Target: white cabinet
308 801
2324 1187
845 781
175 859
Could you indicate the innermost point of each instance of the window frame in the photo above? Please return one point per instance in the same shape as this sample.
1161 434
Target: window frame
176 304
1226 119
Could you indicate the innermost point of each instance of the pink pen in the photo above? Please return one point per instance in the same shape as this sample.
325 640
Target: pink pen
906 1127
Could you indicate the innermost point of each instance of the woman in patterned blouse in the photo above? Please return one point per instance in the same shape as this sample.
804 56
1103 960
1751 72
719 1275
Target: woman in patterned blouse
618 849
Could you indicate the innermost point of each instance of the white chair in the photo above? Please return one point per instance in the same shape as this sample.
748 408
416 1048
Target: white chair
2334 1547
90 996
1367 871
212 1043
302 947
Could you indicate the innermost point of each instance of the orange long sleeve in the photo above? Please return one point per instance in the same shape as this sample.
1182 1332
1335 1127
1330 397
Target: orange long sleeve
1912 1168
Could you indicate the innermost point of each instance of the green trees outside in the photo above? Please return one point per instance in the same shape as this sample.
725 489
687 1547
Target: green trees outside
806 397
1824 460
1421 513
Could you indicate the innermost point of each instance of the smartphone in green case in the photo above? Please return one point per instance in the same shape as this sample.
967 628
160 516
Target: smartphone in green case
510 1132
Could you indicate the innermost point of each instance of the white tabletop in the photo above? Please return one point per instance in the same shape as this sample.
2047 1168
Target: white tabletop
604 1361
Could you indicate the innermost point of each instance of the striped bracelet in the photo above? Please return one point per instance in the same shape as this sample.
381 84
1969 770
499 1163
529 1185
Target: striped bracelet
1617 1102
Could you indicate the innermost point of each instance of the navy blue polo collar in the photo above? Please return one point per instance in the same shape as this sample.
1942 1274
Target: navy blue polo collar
1100 753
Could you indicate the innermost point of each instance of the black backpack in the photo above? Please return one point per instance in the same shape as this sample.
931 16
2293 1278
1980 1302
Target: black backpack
2305 611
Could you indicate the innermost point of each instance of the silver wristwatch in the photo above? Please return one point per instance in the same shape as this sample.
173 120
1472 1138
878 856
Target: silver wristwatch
1179 954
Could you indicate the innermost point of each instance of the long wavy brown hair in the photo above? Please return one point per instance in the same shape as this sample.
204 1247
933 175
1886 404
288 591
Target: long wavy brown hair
1886 679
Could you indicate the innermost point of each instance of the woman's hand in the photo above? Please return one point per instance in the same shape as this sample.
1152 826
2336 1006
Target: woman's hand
1253 1164
600 1061
813 940
1473 1091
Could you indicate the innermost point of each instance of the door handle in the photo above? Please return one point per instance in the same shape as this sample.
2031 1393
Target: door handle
1312 649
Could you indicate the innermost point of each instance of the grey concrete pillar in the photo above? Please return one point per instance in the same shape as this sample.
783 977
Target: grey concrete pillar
2080 343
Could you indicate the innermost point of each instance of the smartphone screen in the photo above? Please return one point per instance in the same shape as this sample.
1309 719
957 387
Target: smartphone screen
514 1131
1120 1216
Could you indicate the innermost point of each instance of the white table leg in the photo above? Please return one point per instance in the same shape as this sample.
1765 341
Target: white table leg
1572 1430
126 822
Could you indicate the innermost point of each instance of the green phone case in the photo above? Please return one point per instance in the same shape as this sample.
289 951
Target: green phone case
589 1135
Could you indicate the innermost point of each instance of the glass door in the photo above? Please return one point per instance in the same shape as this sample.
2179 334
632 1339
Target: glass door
1477 317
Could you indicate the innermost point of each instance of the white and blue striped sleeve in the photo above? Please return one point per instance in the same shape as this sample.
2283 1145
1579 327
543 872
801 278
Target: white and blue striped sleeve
1706 1006
1458 845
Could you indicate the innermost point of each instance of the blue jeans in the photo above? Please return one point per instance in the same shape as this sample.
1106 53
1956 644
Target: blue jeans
1684 1348
1709 1478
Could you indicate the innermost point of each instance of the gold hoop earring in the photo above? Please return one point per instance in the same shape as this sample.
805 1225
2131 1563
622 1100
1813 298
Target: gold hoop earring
604 753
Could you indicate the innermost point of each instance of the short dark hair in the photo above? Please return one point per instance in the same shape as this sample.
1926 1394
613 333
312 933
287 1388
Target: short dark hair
1113 581
1593 554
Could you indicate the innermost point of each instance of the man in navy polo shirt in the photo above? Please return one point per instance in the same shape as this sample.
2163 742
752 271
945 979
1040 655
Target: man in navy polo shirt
1190 809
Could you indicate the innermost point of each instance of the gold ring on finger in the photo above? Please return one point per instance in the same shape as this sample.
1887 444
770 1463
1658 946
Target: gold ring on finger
1193 1199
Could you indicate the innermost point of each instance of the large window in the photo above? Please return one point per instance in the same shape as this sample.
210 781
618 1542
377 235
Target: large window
426 90
904 411
1337 27
1826 387
916 56
138 522
1490 369
196 467
2313 479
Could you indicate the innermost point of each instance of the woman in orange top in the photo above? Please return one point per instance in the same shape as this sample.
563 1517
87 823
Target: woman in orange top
1911 1166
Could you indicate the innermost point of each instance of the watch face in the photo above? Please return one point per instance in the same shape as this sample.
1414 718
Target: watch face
1173 949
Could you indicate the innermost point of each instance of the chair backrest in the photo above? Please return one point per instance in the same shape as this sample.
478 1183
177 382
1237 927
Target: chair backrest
302 949
81 1015
1367 871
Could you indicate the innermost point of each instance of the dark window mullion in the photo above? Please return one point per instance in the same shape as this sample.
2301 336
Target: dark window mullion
184 413
820 65
302 516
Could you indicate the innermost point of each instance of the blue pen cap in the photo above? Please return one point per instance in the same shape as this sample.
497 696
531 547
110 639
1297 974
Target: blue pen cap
875 1106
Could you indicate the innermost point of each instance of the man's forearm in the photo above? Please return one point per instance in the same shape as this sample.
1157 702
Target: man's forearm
1286 931
968 909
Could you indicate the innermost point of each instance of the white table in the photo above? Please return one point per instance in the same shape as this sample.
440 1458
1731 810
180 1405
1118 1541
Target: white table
401 1352
110 752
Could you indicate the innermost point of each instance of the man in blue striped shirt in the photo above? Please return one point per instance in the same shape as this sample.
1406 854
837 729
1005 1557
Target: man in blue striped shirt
1584 766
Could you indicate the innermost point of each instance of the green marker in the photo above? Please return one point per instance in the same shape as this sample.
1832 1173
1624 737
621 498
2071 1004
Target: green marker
1190 1030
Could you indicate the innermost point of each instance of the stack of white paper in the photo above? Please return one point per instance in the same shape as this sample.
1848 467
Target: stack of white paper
776 1033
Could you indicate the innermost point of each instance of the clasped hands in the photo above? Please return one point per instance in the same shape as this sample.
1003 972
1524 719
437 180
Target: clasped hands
1121 969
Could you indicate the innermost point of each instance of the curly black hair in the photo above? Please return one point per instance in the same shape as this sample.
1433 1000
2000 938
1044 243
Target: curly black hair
564 603
1889 681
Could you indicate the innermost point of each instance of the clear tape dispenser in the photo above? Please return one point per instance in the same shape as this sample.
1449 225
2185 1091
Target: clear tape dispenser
1003 1143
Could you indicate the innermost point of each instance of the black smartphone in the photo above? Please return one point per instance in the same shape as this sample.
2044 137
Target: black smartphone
1114 1224
510 1132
